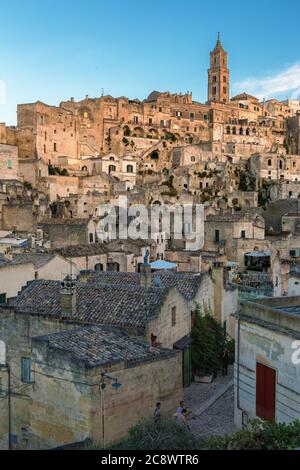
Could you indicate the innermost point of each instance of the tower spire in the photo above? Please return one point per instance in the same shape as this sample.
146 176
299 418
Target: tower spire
218 74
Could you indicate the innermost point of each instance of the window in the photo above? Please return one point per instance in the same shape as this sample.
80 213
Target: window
41 120
54 147
214 90
192 116
265 392
91 238
193 159
135 119
224 79
160 109
129 169
26 370
224 89
9 164
214 79
269 162
173 316
243 234
99 267
150 121
217 236
111 168
2 298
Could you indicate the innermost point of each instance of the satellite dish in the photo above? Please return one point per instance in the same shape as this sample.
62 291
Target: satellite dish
2 353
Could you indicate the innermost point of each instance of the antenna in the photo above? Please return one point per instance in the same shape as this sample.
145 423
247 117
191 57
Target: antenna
102 91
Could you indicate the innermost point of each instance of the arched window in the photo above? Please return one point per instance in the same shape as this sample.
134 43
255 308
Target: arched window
241 131
91 238
193 159
111 168
270 162
280 164
112 159
248 131
129 169
113 267
99 267
234 130
228 130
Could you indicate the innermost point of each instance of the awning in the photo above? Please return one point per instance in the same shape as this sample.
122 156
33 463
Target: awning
160 264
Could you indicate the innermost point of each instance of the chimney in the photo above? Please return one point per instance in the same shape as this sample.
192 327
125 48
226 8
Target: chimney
146 275
68 297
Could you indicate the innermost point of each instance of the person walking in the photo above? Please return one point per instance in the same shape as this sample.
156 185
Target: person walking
225 362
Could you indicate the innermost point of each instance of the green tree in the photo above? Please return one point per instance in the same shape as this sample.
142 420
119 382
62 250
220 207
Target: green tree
259 436
208 344
162 435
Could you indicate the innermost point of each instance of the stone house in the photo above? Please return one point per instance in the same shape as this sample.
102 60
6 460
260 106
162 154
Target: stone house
210 291
65 232
9 165
70 364
267 374
117 255
14 275
157 316
49 266
234 234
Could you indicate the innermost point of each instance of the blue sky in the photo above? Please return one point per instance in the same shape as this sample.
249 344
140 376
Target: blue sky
51 50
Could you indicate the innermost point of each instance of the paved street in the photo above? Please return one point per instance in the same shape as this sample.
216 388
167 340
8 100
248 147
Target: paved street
212 407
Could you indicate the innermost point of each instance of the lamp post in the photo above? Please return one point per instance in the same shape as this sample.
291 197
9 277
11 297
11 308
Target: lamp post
115 385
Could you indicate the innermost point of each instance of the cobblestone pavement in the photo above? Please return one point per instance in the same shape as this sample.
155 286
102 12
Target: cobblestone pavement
217 419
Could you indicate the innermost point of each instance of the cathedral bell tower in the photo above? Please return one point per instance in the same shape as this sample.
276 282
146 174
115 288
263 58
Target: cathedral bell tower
218 75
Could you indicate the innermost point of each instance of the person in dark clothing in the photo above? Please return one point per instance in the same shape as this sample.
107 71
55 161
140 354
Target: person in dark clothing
157 411
225 362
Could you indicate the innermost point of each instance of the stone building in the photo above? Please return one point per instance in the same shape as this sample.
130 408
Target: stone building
9 164
117 255
14 275
61 232
234 234
158 315
75 367
267 375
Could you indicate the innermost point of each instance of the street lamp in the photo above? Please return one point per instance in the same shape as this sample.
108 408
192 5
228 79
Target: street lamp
116 385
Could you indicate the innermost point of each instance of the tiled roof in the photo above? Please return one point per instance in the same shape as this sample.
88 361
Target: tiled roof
128 306
186 283
236 217
102 345
14 262
125 246
37 259
61 221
